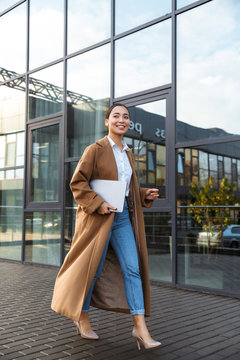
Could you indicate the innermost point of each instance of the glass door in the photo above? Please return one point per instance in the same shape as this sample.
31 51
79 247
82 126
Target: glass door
147 136
43 211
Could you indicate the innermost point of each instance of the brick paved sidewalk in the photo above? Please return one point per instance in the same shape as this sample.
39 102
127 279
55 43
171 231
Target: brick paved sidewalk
190 325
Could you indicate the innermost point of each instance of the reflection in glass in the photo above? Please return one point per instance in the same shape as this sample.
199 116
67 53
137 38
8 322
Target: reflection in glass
12 104
143 59
13 41
5 4
12 124
208 76
88 84
42 239
208 215
182 3
146 137
131 13
217 161
88 23
46 92
70 208
11 194
46 31
159 243
45 164
210 257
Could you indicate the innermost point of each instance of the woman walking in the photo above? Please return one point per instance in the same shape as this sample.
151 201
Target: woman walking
115 277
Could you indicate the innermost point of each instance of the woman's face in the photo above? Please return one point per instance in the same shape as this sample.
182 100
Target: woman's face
118 122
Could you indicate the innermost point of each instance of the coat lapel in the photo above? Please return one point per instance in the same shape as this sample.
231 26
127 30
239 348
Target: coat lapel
105 149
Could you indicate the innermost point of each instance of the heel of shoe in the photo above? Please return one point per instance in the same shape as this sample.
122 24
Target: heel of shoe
77 327
138 344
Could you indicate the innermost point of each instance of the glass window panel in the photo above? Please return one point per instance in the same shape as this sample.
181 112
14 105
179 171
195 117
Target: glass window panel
131 13
88 23
229 153
161 176
45 164
227 165
195 165
181 3
159 243
19 173
138 58
147 128
238 166
46 31
221 169
13 42
151 161
12 123
208 251
213 162
188 157
180 163
11 206
46 92
12 106
203 160
20 143
203 177
88 94
161 155
2 146
207 63
140 147
42 238
5 4
11 138
9 174
20 149
11 154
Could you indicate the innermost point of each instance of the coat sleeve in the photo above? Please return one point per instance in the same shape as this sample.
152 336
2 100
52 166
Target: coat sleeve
146 203
85 197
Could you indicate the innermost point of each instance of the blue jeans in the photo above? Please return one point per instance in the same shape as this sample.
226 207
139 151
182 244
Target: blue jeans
122 240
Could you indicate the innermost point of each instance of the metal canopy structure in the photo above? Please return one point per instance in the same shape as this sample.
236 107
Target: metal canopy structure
40 89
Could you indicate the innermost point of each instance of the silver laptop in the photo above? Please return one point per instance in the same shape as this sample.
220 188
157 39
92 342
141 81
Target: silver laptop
111 191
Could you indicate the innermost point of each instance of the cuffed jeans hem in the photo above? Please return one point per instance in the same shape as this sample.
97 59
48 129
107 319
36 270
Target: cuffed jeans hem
85 311
137 312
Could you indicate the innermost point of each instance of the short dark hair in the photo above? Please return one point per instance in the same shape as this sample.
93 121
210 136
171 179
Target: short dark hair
109 110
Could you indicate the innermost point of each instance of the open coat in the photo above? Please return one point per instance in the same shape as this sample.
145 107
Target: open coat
91 233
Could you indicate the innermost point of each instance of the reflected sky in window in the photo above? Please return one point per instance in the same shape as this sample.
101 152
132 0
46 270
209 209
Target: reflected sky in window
143 59
208 69
46 31
129 14
88 23
13 41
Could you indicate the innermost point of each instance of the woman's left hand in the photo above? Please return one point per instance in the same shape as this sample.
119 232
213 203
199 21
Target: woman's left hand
152 194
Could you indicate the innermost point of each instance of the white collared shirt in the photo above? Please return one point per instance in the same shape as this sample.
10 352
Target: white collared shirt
123 165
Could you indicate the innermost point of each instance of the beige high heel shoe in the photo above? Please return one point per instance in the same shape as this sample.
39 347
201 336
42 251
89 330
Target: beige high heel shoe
147 344
90 335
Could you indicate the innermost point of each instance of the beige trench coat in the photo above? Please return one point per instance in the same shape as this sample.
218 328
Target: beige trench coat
91 233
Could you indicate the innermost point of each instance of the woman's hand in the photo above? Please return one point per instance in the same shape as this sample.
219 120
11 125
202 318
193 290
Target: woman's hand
104 209
152 194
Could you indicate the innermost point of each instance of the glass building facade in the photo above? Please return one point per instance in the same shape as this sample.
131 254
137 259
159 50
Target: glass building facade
175 64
